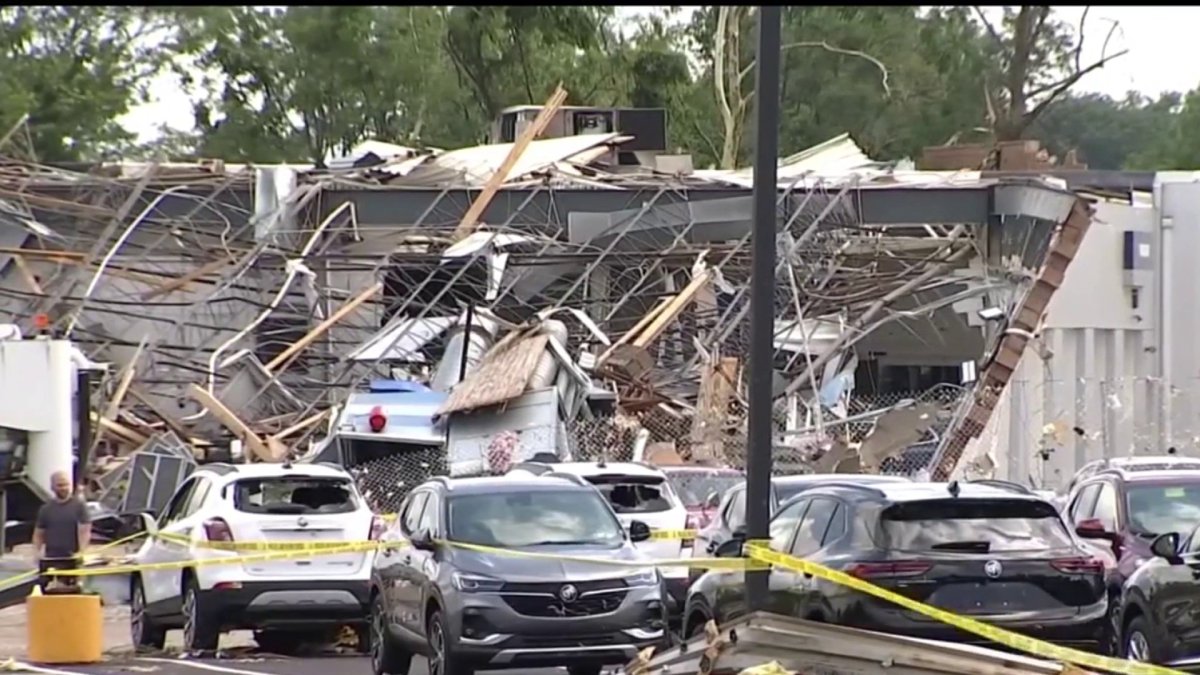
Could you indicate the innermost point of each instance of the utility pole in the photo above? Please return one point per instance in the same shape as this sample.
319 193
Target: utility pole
762 293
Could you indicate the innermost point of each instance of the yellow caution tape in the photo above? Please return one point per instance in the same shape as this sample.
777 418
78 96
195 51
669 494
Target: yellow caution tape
21 578
759 551
673 534
702 563
208 562
319 546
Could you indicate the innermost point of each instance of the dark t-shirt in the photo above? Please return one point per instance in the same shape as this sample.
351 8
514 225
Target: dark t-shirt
59 522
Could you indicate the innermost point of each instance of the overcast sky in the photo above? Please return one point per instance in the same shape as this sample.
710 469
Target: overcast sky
1164 55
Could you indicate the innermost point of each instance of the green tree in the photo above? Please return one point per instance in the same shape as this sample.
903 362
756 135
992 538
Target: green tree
511 55
1107 134
1040 59
1178 147
75 70
306 81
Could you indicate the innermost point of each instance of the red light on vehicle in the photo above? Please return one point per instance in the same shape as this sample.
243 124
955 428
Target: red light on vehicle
1078 566
378 526
216 529
377 420
889 570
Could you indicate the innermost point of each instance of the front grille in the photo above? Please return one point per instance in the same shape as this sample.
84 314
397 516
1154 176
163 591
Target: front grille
552 606
584 587
569 641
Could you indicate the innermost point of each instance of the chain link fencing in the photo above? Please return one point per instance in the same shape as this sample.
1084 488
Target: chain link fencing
1041 432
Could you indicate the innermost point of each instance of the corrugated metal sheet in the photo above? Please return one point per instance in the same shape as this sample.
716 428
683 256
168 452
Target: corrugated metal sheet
476 165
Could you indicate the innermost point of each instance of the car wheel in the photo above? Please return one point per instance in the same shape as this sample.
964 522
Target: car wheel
387 658
1137 642
200 632
443 659
143 632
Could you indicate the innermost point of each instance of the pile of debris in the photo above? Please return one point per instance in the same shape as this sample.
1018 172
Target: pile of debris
244 310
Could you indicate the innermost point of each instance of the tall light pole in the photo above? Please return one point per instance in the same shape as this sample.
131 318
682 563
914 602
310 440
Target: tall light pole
762 292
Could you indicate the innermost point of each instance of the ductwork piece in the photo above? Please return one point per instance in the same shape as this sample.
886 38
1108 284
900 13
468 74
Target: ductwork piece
547 366
451 370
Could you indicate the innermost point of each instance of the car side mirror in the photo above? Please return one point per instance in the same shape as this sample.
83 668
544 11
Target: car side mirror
422 540
1166 546
638 531
730 549
149 524
739 533
1093 528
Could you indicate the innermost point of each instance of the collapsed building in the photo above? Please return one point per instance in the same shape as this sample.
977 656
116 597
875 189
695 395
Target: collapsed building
407 313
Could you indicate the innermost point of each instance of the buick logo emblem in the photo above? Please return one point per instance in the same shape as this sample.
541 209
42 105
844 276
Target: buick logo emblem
993 569
302 521
568 593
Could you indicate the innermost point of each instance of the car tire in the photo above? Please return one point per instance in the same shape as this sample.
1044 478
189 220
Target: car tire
584 670
145 634
1136 644
443 657
387 657
200 631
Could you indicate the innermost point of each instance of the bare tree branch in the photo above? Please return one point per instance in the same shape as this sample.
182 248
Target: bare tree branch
1064 85
883 71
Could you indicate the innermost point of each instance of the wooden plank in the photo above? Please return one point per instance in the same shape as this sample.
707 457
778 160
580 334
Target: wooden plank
27 274
324 326
718 383
258 448
301 425
467 225
502 375
183 281
672 310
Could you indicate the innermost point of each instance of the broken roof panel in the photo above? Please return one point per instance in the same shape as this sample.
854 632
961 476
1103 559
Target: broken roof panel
476 165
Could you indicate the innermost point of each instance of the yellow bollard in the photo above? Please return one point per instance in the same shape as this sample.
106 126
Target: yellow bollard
64 629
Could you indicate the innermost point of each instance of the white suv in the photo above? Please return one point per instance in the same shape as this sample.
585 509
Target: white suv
287 601
637 492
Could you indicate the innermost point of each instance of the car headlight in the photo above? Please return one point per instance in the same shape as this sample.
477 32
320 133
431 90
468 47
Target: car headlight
643 578
475 583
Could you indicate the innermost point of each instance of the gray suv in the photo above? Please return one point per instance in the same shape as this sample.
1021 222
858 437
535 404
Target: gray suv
468 608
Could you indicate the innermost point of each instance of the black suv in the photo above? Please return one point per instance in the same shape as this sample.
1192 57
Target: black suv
467 608
991 551
1160 606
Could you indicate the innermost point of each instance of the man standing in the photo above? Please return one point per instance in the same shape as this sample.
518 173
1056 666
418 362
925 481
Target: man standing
63 527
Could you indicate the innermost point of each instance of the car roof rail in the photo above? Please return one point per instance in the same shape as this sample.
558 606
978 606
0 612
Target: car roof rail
869 489
443 480
537 468
573 477
1002 484
220 468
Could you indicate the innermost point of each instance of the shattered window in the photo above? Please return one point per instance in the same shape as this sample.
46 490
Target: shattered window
294 496
636 497
974 526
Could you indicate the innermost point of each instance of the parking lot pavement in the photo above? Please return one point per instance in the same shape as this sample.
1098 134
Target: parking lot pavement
266 665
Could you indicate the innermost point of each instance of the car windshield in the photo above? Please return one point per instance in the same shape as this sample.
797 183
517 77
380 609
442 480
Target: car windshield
977 525
536 518
693 487
1159 509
